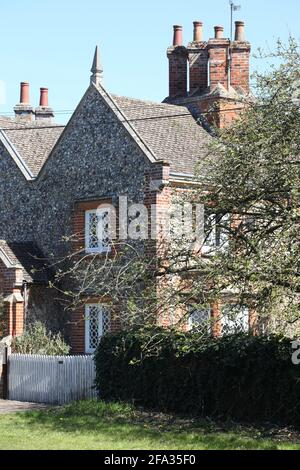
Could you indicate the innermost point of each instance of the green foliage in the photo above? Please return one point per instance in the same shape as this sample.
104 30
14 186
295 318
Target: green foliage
256 181
37 340
238 377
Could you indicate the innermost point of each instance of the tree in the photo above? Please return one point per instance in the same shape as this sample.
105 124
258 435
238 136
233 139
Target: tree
256 179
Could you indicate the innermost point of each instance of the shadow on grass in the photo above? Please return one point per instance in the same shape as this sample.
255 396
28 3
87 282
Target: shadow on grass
121 423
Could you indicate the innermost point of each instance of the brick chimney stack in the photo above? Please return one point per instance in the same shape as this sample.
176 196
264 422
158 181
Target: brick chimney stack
43 112
218 74
24 110
218 59
240 59
177 55
198 60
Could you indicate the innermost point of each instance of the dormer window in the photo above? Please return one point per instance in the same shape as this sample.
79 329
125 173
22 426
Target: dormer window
97 231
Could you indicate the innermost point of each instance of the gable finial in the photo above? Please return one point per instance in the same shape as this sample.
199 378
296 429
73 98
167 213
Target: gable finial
97 70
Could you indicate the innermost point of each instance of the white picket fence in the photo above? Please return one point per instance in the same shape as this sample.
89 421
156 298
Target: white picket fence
49 379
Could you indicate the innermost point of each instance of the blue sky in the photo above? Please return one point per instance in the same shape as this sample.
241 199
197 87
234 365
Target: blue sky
51 42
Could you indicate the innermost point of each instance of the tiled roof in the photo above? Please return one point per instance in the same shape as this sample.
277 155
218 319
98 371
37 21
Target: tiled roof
32 140
27 256
170 131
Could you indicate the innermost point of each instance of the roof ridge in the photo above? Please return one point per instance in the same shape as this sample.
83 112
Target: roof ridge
150 102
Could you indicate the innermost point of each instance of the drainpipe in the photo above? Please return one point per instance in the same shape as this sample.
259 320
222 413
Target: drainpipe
25 296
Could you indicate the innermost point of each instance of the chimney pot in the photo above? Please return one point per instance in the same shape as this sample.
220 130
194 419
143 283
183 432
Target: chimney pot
44 97
24 93
23 110
239 31
177 40
198 31
219 30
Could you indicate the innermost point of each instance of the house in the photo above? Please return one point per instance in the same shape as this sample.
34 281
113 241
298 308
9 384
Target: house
53 178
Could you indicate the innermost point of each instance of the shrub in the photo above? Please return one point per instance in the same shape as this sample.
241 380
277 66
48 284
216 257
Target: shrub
239 377
37 340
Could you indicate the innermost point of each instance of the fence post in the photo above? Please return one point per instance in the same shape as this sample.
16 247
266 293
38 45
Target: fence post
3 372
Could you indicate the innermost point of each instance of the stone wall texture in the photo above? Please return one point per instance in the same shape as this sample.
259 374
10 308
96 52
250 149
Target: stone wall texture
95 158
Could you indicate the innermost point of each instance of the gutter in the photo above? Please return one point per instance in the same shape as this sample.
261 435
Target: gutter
184 178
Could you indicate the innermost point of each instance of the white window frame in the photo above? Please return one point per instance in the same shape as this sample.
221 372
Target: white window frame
88 349
101 248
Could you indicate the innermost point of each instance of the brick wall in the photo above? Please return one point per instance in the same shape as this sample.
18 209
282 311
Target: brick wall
77 319
220 112
77 324
198 66
218 62
209 64
177 71
240 66
13 311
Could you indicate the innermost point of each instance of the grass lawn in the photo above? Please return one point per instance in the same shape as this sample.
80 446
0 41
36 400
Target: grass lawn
95 425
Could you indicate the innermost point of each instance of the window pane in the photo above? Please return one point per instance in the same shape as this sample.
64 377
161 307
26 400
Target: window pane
92 230
93 317
105 321
235 319
103 229
199 318
209 232
97 323
98 230
215 232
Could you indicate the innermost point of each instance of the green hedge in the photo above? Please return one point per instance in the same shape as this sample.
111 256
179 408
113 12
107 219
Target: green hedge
238 377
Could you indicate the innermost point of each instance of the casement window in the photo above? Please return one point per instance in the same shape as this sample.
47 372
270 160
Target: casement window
97 231
215 232
97 323
199 318
235 319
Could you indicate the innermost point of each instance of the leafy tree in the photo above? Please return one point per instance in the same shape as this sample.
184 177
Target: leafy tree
256 179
